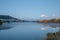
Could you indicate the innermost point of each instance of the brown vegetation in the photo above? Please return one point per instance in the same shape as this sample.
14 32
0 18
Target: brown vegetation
53 36
50 21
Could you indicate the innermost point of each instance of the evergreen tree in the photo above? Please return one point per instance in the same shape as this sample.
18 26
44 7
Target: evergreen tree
0 22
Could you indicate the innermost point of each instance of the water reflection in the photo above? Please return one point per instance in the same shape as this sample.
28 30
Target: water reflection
5 27
43 28
53 25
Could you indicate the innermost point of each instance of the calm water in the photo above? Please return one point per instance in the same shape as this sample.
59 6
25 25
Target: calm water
26 30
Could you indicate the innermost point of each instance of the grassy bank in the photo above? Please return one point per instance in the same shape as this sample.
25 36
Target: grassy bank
53 36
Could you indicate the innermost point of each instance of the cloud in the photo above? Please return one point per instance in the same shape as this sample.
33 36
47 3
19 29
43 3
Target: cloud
43 15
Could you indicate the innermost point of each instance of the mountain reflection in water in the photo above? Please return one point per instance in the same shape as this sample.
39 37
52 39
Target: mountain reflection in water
5 27
52 25
27 30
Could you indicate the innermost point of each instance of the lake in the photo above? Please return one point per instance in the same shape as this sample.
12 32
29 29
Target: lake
27 30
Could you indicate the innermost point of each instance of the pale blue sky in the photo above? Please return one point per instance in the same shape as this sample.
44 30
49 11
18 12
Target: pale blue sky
28 9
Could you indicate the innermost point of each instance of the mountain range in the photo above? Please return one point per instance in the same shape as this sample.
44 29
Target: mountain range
6 17
9 18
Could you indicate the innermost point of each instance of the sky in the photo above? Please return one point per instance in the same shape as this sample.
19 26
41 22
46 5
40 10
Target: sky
30 9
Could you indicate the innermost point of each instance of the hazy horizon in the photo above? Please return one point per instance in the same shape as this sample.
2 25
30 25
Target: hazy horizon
30 9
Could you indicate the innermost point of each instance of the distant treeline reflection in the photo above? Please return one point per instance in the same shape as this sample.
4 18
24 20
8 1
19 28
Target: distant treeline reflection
5 27
54 25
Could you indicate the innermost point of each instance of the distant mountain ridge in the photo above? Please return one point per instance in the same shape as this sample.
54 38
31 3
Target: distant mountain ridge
6 17
10 18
